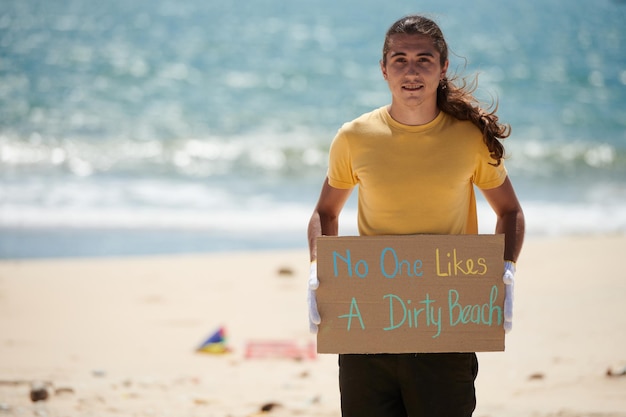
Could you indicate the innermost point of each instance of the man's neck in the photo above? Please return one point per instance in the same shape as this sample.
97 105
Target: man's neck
413 116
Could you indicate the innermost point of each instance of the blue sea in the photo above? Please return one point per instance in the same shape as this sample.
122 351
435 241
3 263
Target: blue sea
134 127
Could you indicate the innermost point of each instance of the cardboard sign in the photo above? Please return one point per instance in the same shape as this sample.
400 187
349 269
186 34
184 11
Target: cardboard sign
408 294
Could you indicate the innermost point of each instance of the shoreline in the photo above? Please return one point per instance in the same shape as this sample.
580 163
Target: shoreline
117 336
253 249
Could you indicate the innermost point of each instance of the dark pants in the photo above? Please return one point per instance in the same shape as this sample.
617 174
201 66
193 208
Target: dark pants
413 385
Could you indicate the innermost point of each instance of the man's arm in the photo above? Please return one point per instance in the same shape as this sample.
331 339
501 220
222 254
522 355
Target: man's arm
510 221
325 218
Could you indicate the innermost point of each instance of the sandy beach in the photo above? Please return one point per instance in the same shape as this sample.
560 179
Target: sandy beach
118 337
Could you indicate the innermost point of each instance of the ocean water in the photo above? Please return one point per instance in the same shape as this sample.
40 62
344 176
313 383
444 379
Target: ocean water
132 127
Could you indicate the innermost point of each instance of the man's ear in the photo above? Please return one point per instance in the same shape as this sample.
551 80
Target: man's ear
383 69
444 69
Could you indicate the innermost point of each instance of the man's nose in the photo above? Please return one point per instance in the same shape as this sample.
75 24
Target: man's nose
412 69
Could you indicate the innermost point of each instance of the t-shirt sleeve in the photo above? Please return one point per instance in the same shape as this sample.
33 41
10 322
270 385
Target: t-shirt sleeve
486 175
340 170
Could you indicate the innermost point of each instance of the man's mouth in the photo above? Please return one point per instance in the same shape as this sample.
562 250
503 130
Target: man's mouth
412 87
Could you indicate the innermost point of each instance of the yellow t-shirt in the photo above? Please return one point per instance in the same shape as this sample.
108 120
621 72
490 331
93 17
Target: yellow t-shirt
413 179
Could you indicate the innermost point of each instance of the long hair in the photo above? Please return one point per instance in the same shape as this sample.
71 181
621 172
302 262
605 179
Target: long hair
455 95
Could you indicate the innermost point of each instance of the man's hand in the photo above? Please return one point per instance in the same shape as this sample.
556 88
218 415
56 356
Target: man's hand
509 285
314 315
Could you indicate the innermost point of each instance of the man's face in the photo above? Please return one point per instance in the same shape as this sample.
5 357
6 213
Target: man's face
413 70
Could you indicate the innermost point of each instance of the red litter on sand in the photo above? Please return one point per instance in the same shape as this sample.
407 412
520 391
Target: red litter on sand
280 349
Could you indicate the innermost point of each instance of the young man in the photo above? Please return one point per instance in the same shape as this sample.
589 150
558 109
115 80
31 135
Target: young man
416 162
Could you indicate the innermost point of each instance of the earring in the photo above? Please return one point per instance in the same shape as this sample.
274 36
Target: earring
443 83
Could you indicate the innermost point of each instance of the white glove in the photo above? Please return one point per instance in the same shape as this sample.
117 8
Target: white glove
509 285
314 283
